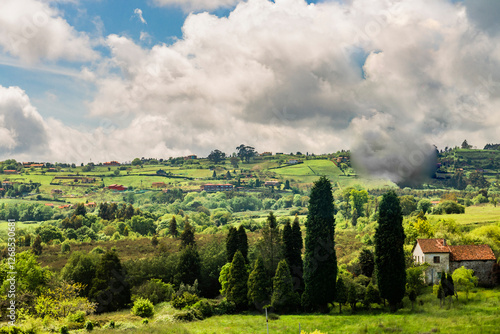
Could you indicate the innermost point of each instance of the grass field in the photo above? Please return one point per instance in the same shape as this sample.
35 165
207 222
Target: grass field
479 315
474 216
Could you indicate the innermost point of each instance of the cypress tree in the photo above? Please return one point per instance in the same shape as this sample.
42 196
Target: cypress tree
258 285
389 253
284 299
237 289
243 242
340 293
296 264
231 243
366 262
187 235
320 265
110 288
189 266
270 245
172 227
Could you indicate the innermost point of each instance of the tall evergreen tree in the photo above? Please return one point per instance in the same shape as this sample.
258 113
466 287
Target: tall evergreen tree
340 293
367 262
284 298
258 285
110 288
269 245
389 253
231 243
243 242
172 228
320 265
189 266
187 235
237 280
296 264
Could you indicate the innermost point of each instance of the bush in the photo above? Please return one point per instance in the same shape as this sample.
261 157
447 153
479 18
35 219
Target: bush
154 290
111 324
204 307
78 317
449 207
98 250
184 316
224 307
64 330
143 308
89 326
185 299
65 247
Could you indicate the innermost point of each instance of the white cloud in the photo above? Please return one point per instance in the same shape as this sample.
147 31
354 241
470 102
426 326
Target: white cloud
31 30
138 13
289 76
196 5
22 130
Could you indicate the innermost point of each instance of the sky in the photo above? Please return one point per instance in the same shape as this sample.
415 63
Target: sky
101 80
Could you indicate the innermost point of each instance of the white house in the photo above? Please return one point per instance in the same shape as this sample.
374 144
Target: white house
445 258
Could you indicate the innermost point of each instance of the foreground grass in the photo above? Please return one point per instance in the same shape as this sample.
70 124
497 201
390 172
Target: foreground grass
479 315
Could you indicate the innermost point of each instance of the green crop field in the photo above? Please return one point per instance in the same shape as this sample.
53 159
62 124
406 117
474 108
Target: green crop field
474 216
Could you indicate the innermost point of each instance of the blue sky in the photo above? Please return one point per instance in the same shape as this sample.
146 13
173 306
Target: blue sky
88 79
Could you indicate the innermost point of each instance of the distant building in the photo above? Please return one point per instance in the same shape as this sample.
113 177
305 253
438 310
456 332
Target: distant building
91 205
190 157
88 179
159 185
217 187
272 183
56 191
112 163
117 187
10 171
65 206
279 153
444 258
37 165
293 162
264 154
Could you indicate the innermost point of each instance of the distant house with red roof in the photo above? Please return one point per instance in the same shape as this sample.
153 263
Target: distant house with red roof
442 257
117 187
10 171
112 163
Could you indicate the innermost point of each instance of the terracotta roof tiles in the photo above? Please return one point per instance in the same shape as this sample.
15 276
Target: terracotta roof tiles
433 246
471 252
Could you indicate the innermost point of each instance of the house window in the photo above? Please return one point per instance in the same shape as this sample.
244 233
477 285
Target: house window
437 259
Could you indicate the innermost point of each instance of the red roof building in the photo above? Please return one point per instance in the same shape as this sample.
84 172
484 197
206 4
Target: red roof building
117 187
112 163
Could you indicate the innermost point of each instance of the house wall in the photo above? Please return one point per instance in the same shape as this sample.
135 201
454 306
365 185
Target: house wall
433 272
483 270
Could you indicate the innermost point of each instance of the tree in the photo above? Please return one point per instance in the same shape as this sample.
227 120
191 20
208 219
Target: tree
408 204
189 265
320 265
414 283
245 152
80 210
284 297
269 245
424 205
214 174
216 156
464 279
136 162
237 289
340 293
359 198
234 162
231 243
258 285
187 235
243 242
367 262
478 180
292 251
172 227
154 241
81 268
372 295
37 248
389 252
287 185
466 145
110 288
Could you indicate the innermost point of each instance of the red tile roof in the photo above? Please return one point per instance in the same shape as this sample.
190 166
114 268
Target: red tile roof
433 246
471 252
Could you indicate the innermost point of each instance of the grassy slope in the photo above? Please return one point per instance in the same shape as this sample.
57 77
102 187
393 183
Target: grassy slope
474 216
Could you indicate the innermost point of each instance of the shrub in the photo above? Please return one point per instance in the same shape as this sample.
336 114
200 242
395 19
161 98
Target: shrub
184 316
145 321
64 330
224 307
65 247
111 324
143 308
78 317
89 326
186 299
154 290
204 307
98 250
449 207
